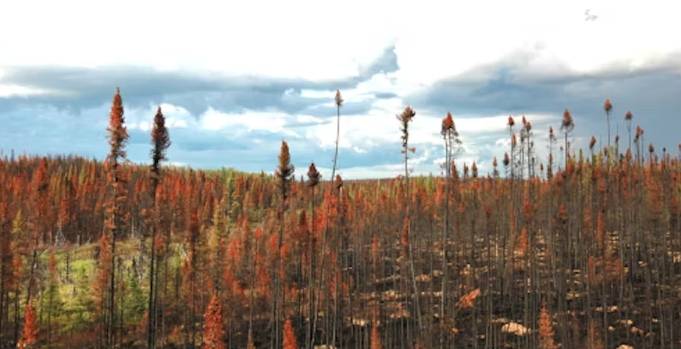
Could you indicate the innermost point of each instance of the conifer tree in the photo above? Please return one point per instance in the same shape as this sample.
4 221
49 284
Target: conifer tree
628 117
313 178
29 336
567 126
284 175
607 106
452 142
405 118
53 302
546 340
290 341
339 102
160 141
213 331
118 137
6 256
375 336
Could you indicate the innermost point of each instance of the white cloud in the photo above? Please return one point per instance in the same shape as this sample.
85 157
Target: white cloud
13 90
320 41
143 118
249 120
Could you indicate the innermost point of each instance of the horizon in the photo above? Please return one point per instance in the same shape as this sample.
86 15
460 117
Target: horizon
231 95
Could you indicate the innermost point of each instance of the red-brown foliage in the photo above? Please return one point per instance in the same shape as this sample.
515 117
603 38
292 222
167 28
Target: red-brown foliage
29 335
546 333
290 341
213 330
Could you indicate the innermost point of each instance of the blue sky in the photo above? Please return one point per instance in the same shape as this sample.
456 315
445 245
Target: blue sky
234 80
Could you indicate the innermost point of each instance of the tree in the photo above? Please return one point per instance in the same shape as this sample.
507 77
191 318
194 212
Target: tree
546 340
549 168
284 175
290 341
405 118
135 301
118 137
526 137
213 331
6 256
53 300
567 126
510 123
37 221
339 101
452 142
607 106
638 140
29 336
313 178
190 269
160 141
628 117
375 336
101 285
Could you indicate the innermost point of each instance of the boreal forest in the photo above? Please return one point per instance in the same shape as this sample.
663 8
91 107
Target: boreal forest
565 248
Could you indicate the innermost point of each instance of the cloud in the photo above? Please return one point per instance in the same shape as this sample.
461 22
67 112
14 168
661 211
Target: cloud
214 120
236 88
509 88
245 133
75 88
386 63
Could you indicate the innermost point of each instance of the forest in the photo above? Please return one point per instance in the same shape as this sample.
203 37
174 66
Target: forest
577 249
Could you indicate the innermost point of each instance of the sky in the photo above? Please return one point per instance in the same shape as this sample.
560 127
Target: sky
234 79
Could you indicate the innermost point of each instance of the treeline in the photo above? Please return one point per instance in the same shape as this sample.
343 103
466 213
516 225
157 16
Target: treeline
579 253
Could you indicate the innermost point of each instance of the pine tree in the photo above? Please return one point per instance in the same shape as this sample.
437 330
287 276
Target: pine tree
405 118
6 257
53 301
290 341
284 175
375 336
313 178
134 301
628 117
546 340
29 336
118 136
160 141
339 102
567 126
213 331
101 284
607 106
37 220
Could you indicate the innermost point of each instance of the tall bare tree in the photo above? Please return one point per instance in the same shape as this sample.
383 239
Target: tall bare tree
607 106
405 118
452 142
567 125
339 102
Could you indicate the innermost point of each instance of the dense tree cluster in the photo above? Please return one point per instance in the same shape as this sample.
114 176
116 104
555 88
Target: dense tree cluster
117 255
